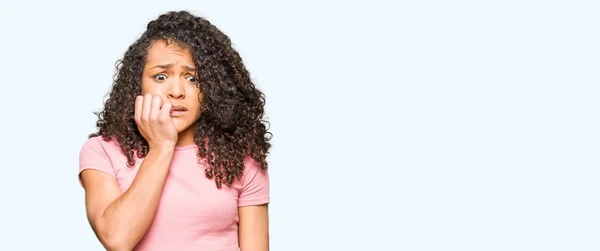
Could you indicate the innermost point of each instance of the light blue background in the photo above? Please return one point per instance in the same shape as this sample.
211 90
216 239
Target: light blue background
411 125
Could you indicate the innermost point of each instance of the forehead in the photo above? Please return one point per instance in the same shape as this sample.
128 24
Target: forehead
161 50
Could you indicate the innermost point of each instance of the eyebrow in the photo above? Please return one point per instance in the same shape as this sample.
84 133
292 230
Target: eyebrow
189 68
167 66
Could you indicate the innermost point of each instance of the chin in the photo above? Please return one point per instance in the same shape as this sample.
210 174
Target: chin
181 126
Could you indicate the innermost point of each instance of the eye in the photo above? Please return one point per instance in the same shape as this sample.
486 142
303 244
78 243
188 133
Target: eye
192 79
160 77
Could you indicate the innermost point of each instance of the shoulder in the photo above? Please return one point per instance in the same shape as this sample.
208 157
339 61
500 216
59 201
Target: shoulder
252 167
101 154
253 173
254 184
99 146
98 142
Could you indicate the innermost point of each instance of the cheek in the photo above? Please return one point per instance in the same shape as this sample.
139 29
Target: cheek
144 86
197 97
152 88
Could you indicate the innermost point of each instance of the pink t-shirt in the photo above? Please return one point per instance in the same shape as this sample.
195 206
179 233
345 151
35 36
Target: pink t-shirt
193 213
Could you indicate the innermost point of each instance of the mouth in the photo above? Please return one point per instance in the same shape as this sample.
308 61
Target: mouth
178 110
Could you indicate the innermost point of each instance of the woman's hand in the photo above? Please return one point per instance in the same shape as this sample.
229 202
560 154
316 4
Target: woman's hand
153 119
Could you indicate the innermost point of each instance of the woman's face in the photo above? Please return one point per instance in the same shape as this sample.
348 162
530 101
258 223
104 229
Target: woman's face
170 73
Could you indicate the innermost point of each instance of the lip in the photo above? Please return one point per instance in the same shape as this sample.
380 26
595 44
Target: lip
178 110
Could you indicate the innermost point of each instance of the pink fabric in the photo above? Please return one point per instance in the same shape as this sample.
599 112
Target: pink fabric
193 213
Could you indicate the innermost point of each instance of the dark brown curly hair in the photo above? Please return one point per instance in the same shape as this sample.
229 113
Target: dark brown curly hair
231 126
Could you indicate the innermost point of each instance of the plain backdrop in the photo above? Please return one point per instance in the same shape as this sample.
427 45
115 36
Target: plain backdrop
398 125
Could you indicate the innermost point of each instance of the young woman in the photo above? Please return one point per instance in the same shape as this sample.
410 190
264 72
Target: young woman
179 158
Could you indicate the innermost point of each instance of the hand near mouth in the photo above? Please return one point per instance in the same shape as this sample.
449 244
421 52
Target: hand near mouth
153 118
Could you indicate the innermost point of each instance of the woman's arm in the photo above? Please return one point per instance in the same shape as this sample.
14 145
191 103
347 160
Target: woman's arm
120 220
254 228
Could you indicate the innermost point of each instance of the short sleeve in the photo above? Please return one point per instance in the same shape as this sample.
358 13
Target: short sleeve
255 185
93 156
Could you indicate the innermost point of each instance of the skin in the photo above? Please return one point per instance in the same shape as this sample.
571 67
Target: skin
169 76
168 80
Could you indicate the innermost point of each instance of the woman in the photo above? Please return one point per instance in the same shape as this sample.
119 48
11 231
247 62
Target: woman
179 158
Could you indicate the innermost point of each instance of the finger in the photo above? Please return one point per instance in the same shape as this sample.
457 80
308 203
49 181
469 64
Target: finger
139 101
155 108
146 107
165 111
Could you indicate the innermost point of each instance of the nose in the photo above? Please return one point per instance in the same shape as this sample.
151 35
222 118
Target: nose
176 89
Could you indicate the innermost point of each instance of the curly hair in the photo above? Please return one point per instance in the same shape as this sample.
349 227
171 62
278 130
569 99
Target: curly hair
232 124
